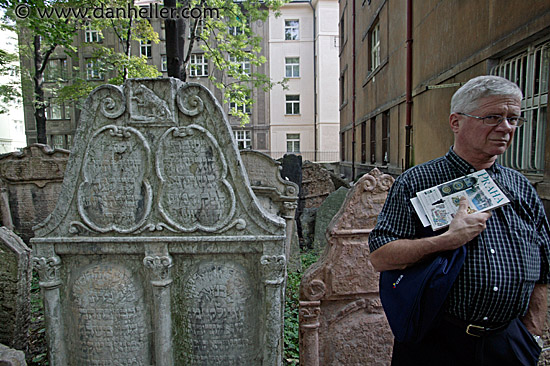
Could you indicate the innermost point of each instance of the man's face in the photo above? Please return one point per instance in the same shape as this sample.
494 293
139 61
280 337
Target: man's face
480 140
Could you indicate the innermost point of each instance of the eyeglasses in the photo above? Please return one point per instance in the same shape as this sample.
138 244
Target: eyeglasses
496 120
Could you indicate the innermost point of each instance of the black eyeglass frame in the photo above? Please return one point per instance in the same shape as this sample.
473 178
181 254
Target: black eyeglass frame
520 120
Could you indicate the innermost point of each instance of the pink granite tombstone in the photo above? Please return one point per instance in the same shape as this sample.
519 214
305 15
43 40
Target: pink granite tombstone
341 317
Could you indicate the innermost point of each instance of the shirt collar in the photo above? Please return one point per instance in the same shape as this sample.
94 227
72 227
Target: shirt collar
462 166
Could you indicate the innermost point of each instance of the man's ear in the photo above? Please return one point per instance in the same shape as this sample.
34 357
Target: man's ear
454 122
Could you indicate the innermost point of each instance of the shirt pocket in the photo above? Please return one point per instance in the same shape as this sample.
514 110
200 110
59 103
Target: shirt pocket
526 238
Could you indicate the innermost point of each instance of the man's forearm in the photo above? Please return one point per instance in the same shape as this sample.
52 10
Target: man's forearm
535 318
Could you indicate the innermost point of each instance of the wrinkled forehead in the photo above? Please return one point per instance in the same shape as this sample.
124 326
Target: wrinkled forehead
498 104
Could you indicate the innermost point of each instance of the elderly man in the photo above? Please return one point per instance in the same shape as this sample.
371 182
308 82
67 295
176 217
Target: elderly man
496 309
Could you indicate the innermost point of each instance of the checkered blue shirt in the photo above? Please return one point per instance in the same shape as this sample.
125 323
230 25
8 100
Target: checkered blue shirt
502 264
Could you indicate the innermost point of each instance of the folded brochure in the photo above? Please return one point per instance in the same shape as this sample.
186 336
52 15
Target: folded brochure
437 206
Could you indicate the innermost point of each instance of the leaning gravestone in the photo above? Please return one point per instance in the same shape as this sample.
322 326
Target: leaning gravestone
15 290
278 196
158 252
31 181
341 317
324 215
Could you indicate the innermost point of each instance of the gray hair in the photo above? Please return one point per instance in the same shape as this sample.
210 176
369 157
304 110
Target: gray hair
467 97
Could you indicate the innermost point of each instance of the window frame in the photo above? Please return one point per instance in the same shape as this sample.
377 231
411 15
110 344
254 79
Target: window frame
294 140
294 67
294 104
292 31
244 137
198 69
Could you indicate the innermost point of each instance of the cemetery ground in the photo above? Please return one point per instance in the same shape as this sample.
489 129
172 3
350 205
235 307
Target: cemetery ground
37 353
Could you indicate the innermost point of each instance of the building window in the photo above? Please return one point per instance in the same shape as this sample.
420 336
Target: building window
292 104
60 141
56 70
56 110
243 139
343 146
197 26
292 67
94 69
386 137
244 107
293 142
529 70
292 30
92 35
342 30
373 140
199 65
374 46
240 65
236 30
163 63
145 48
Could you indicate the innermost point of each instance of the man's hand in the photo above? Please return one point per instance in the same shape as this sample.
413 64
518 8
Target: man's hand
464 226
406 252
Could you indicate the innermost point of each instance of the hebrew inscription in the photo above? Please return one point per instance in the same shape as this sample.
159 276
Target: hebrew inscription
195 193
115 194
219 323
111 327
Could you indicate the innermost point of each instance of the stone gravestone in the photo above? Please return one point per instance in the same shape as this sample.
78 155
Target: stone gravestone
316 184
324 215
30 181
278 196
15 290
341 317
158 252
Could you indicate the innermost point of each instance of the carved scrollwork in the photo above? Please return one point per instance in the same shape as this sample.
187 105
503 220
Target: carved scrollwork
111 101
189 102
309 314
48 270
274 268
315 290
160 266
369 184
385 182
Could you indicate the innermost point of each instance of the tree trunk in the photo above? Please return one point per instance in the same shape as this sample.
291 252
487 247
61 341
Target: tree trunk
39 103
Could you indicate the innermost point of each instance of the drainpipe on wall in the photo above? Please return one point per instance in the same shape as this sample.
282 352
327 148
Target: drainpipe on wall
408 122
315 146
353 142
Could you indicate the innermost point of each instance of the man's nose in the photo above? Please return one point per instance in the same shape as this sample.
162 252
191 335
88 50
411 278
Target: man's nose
505 126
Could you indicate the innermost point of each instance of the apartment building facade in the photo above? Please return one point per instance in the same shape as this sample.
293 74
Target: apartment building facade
269 106
401 61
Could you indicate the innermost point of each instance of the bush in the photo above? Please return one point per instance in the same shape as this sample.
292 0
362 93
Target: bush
292 302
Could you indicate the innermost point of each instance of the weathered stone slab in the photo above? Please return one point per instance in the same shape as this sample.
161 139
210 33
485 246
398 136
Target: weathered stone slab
30 182
278 196
11 357
15 290
341 317
158 252
324 215
316 184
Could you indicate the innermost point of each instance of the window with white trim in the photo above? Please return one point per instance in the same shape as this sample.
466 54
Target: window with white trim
198 65
293 142
242 64
292 67
529 70
375 46
163 63
56 70
92 35
57 110
292 104
292 29
145 48
94 69
244 141
244 107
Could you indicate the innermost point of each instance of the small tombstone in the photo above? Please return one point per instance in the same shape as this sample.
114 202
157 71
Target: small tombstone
278 196
316 184
15 290
158 252
341 317
292 170
31 180
324 215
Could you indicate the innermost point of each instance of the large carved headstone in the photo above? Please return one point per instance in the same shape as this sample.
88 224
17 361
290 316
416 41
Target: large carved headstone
278 196
158 252
30 181
341 317
15 290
